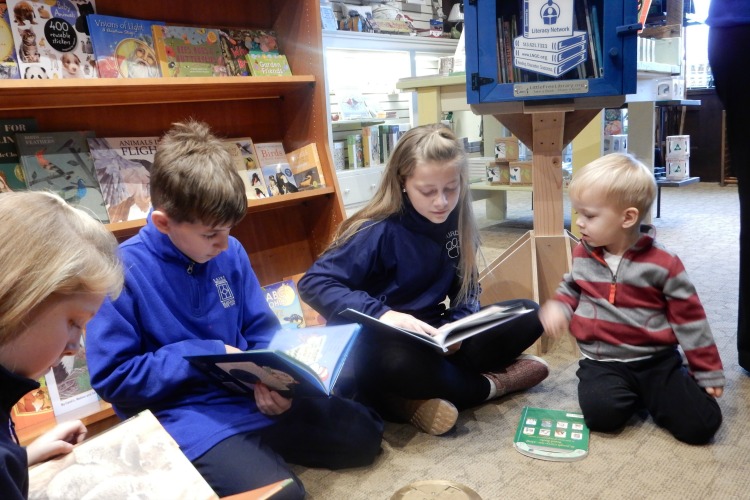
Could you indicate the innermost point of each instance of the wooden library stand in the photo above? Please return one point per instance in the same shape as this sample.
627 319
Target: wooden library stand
97 417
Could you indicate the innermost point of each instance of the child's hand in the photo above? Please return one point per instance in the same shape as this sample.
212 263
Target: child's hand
270 402
408 322
715 391
552 316
58 441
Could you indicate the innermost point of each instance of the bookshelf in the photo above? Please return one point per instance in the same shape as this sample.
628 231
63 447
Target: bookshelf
282 235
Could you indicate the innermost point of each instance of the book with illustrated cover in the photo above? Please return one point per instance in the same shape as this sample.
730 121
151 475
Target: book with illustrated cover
555 435
268 64
34 408
283 299
312 317
8 62
123 167
136 458
237 43
306 167
52 38
279 179
452 333
185 51
304 362
61 162
123 47
11 172
69 384
243 157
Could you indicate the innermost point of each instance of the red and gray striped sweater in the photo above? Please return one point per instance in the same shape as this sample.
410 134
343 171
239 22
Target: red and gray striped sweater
649 305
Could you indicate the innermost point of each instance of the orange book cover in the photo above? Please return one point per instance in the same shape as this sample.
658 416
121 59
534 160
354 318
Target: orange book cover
34 408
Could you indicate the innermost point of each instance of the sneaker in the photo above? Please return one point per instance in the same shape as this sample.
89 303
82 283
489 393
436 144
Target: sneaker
432 416
524 373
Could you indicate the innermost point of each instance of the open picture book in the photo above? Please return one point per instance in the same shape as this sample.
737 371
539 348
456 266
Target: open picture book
556 435
305 362
481 321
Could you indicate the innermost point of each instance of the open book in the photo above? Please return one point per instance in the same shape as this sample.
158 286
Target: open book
556 435
451 333
297 363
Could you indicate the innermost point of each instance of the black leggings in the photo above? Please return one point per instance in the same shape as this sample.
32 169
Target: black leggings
413 370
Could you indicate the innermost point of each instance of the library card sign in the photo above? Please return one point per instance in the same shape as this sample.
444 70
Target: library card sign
549 45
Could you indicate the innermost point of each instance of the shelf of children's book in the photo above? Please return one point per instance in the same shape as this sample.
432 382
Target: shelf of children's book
95 416
44 94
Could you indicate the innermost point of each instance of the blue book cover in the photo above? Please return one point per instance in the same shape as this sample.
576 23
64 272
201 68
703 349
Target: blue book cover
123 47
283 299
297 363
61 162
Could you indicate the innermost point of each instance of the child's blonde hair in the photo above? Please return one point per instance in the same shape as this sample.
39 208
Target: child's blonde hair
428 143
193 179
48 247
618 178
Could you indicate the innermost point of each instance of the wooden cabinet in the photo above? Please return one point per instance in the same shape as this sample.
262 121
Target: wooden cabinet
705 127
283 235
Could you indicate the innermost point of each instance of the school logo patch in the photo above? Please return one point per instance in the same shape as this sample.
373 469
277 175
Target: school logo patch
225 293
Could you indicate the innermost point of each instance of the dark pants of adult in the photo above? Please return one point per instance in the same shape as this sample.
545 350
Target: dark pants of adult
724 47
331 433
413 370
610 392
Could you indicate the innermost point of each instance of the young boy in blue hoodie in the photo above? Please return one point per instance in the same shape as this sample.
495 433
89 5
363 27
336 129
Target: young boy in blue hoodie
190 290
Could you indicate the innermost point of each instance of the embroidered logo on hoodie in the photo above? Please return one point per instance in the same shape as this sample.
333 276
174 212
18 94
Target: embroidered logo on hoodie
225 293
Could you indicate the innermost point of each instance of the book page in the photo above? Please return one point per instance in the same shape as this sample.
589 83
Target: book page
481 320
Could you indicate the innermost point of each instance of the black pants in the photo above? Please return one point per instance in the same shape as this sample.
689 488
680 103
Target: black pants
610 392
412 370
330 433
726 47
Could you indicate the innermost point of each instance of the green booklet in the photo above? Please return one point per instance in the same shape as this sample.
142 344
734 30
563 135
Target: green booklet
556 435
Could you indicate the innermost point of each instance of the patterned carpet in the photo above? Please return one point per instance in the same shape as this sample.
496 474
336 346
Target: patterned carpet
700 223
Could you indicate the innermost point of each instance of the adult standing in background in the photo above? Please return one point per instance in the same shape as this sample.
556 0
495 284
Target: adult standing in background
728 40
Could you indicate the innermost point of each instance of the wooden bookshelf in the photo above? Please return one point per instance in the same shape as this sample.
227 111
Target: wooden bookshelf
282 235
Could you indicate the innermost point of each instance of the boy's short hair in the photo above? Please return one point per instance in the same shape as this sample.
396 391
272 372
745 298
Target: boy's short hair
193 179
620 179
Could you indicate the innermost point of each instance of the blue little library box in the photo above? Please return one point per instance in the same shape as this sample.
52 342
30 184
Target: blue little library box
532 50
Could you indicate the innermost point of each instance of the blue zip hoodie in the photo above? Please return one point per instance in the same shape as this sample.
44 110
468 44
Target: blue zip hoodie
171 307
405 263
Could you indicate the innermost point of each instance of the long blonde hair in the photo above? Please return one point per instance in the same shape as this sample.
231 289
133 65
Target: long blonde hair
428 143
48 247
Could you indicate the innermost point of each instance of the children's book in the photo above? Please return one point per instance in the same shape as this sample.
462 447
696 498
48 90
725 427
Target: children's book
123 167
123 47
188 51
306 167
136 458
69 384
283 299
34 408
52 38
304 362
557 435
268 64
61 162
312 317
237 43
279 179
243 157
11 172
449 334
8 62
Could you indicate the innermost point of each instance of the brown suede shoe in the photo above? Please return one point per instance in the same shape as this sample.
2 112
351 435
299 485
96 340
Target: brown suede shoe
524 373
432 416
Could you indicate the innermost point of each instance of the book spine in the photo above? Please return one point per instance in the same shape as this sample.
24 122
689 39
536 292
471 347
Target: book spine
366 148
539 44
548 68
549 57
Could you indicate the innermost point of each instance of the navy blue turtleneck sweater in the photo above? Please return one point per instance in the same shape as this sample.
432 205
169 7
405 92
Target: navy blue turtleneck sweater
14 470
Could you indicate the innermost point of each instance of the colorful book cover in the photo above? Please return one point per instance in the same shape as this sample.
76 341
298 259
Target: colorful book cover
123 167
268 64
8 63
237 43
185 51
312 317
555 435
123 47
52 38
306 167
355 152
69 384
283 299
34 408
243 157
279 179
61 162
11 172
371 145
